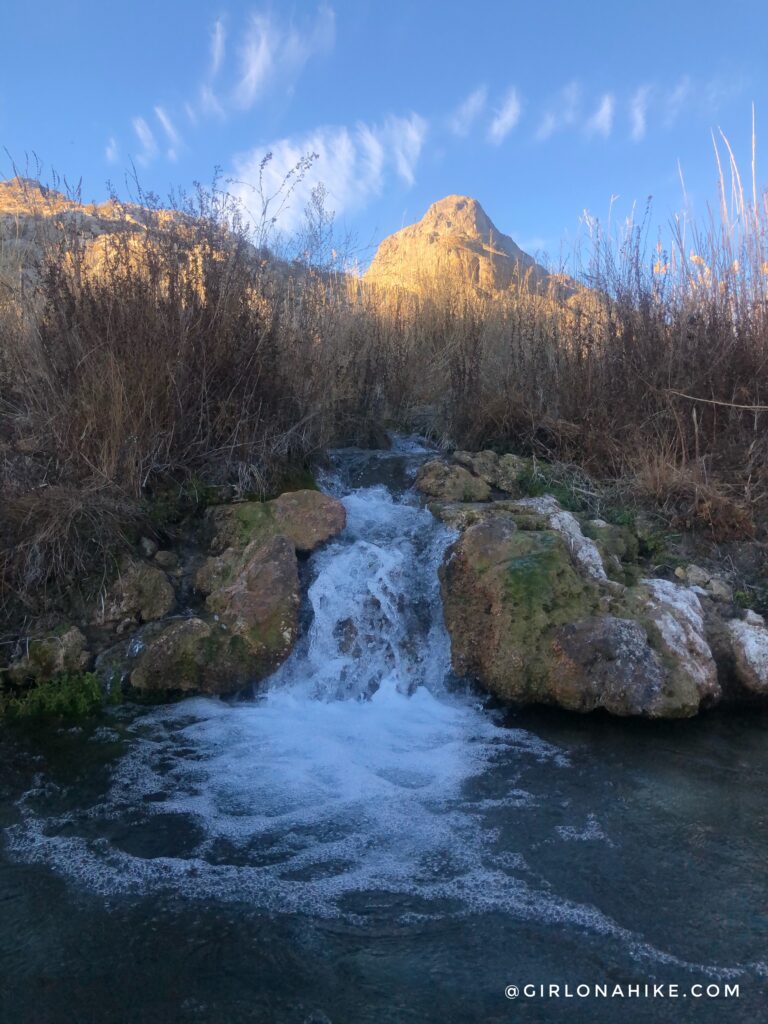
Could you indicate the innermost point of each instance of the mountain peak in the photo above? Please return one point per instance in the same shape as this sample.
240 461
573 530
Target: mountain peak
456 240
458 214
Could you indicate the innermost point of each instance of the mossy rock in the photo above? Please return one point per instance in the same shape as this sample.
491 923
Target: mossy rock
442 482
63 651
191 655
618 547
505 592
306 517
141 592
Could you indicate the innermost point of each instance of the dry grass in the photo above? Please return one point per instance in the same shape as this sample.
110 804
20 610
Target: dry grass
184 353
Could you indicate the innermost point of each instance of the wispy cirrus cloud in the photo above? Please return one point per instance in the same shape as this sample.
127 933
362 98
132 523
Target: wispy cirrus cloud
111 151
601 121
506 117
562 114
272 52
354 165
147 141
676 99
638 112
171 134
468 111
218 47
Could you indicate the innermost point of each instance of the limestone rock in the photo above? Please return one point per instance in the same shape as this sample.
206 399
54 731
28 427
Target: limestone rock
65 650
442 482
607 662
675 615
168 561
533 618
749 642
720 589
148 547
500 471
583 550
260 605
505 591
455 243
308 518
142 593
191 655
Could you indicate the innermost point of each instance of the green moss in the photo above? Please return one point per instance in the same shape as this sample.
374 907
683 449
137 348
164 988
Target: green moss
616 542
254 519
541 592
68 695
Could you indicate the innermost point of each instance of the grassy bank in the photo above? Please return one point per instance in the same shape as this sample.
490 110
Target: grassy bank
167 359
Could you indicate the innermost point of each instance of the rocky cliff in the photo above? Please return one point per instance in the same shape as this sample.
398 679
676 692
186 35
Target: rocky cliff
456 242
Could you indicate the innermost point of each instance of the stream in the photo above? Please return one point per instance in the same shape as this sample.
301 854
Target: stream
366 838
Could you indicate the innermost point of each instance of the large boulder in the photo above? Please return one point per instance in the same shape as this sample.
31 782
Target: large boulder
534 618
307 518
504 591
187 655
248 630
749 644
261 604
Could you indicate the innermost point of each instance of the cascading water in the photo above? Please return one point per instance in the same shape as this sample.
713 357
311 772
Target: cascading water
363 784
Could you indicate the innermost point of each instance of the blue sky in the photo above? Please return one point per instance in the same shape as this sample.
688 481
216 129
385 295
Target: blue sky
540 111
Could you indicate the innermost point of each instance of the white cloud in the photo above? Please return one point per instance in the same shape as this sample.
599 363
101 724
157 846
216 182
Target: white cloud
218 44
147 139
638 112
563 115
168 126
272 53
111 152
256 57
468 111
677 99
210 103
601 122
506 117
354 165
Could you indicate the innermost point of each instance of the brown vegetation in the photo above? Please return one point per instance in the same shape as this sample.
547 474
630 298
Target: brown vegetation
183 354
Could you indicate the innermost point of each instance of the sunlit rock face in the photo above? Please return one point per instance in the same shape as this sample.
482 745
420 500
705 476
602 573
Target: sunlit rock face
455 241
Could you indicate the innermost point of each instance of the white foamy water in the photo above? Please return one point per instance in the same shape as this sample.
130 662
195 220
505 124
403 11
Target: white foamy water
356 777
